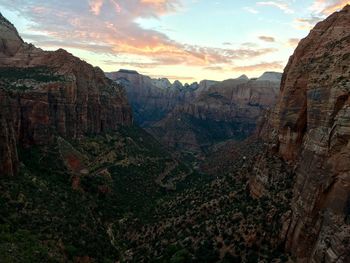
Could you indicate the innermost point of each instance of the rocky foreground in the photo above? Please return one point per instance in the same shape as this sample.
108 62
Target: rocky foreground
310 129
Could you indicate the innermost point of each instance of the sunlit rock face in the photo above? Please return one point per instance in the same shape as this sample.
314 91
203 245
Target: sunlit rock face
44 94
310 128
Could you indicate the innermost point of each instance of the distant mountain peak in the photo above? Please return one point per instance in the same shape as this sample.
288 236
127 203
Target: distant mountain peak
243 77
271 76
128 71
10 41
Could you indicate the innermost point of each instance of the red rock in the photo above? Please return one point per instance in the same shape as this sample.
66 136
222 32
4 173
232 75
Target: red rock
311 129
78 100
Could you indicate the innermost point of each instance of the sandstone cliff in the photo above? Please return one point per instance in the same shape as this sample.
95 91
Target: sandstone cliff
226 110
51 93
311 129
152 99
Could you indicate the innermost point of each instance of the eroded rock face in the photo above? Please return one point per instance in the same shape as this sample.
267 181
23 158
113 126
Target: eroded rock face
152 99
225 110
311 129
52 93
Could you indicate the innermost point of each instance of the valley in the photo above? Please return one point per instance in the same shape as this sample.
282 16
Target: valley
122 167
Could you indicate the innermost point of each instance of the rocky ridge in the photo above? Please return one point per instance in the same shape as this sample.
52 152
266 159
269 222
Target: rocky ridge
152 99
46 93
226 110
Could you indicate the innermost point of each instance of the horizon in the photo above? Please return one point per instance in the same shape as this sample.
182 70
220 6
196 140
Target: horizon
184 83
172 39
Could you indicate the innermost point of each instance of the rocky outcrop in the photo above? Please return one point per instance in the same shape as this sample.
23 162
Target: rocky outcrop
152 99
52 93
310 128
226 110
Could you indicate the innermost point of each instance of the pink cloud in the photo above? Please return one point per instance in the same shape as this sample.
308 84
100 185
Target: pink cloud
95 6
276 65
110 27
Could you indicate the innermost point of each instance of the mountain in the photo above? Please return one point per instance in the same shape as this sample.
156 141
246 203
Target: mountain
72 164
310 129
86 187
196 116
43 93
226 110
152 99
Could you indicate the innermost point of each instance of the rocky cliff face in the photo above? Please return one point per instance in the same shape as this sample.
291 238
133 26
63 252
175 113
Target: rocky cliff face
51 93
152 99
226 110
311 130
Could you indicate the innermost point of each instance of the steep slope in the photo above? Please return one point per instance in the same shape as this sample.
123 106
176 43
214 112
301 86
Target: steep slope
226 110
51 93
78 166
152 99
311 130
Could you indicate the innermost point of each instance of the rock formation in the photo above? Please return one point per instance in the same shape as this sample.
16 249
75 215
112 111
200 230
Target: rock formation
152 99
311 130
46 93
225 110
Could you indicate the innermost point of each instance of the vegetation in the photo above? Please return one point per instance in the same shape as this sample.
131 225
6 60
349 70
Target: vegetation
21 79
104 198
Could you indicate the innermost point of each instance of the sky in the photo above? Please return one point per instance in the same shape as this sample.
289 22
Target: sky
188 40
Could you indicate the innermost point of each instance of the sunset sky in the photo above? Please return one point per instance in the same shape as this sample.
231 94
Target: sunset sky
187 40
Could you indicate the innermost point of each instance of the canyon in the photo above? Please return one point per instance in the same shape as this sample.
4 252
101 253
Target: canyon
194 117
81 181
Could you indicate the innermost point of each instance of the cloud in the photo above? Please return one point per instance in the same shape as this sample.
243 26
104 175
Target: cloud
320 9
111 27
307 23
267 38
95 6
251 10
293 42
264 66
278 4
327 7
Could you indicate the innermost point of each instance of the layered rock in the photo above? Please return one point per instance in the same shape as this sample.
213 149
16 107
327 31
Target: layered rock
152 99
226 110
52 93
311 129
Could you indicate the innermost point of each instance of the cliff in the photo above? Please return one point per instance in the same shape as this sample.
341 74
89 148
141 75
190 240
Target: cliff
310 129
226 110
151 99
44 94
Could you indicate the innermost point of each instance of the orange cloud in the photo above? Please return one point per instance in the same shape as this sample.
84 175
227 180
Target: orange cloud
277 65
327 7
110 29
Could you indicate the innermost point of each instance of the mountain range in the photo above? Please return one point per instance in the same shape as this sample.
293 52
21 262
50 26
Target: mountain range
81 181
194 117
